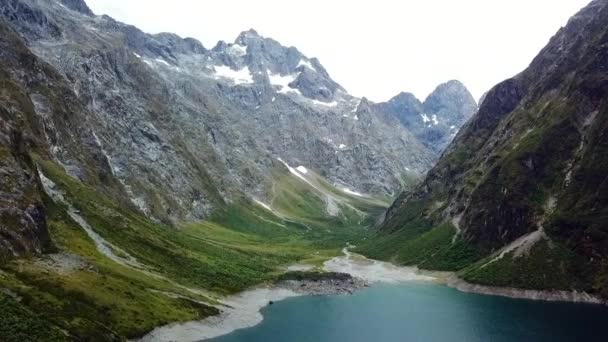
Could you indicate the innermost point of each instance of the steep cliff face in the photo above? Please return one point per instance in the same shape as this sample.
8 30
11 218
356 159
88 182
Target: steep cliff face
30 91
23 228
521 188
435 121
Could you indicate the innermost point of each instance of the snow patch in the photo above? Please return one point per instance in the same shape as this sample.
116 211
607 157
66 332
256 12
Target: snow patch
162 61
351 192
342 146
302 169
425 118
136 55
282 82
306 64
237 76
295 172
356 107
327 104
434 119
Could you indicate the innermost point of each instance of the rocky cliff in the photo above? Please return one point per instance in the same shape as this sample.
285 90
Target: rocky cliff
519 197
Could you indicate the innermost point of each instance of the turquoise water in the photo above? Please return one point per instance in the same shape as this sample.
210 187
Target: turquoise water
423 312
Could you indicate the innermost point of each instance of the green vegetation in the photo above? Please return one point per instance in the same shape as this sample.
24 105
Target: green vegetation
432 249
294 198
19 324
547 266
409 180
97 298
90 297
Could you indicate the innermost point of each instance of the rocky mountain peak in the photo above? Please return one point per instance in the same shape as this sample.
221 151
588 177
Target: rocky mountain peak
405 100
286 67
179 44
247 36
436 121
453 99
220 46
78 6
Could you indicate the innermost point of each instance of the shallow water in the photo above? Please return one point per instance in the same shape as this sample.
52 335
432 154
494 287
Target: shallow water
417 311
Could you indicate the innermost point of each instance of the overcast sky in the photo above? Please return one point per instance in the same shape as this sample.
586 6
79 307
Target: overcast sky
374 48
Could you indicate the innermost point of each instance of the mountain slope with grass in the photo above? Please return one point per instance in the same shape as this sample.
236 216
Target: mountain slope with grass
519 197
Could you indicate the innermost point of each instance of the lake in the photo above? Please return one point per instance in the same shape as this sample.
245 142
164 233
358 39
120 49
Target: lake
416 311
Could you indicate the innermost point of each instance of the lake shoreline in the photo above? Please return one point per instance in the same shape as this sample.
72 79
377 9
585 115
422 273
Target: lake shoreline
518 293
243 310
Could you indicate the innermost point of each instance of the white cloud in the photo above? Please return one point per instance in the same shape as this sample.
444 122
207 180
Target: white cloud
403 46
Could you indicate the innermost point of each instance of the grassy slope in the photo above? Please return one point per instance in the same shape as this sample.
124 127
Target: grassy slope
295 199
427 248
547 266
238 247
409 236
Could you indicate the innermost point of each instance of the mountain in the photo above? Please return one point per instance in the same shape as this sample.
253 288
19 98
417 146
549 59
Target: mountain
519 198
185 129
145 177
435 121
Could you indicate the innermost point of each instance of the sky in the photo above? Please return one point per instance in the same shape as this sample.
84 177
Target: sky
373 48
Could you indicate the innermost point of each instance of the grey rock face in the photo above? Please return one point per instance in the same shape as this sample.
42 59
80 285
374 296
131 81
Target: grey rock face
23 228
182 129
77 5
451 102
436 121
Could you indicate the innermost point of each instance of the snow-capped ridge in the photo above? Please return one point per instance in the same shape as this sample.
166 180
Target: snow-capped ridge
242 76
